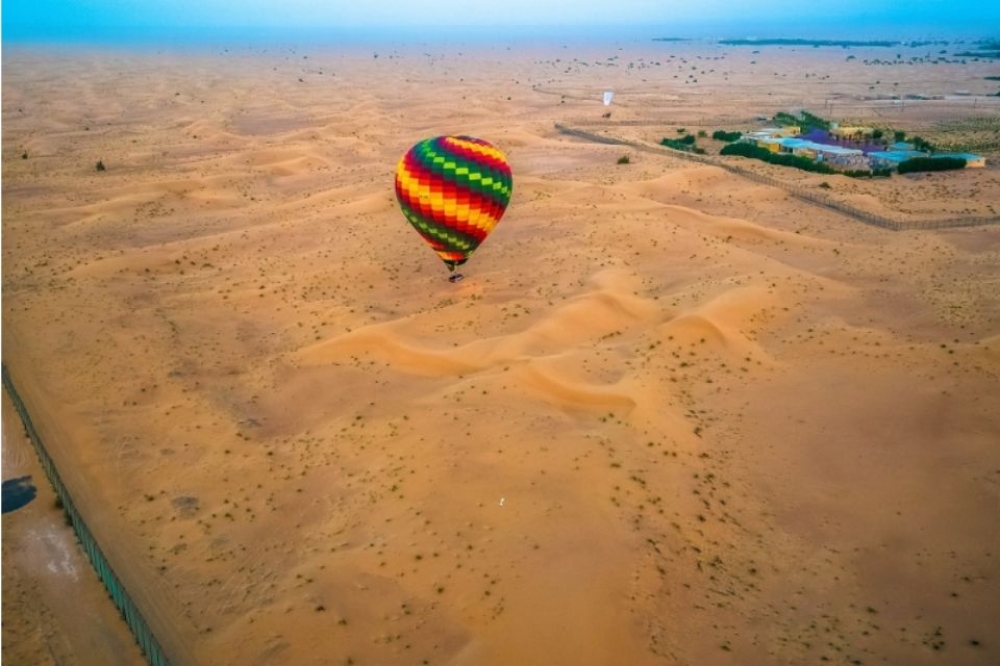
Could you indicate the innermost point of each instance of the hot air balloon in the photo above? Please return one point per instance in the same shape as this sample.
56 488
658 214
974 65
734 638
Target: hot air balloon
608 96
453 190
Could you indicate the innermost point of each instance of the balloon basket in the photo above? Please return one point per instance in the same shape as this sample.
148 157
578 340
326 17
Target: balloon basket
457 277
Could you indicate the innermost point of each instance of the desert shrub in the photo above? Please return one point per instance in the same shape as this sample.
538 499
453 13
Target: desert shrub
100 165
624 159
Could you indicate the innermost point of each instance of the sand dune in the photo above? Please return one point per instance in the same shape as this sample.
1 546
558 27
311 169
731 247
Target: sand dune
670 416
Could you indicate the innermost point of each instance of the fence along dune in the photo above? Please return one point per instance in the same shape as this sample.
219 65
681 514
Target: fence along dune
79 515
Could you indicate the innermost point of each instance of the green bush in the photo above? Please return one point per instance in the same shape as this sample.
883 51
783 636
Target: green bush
922 145
805 120
686 143
743 150
811 121
782 118
864 173
781 159
931 164
728 137
624 159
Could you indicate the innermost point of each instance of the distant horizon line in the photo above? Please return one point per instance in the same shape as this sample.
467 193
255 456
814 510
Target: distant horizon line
708 31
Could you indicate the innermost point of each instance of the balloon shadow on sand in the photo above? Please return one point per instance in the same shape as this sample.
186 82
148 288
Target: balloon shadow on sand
17 493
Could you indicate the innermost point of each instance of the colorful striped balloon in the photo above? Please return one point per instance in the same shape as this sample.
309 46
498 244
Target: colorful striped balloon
453 190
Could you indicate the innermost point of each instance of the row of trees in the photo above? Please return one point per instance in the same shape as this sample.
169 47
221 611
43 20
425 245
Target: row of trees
919 143
805 120
916 164
797 161
782 159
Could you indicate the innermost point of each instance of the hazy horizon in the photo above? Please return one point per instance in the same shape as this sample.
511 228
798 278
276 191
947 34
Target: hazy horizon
267 22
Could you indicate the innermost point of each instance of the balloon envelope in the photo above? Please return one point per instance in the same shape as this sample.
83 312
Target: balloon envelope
608 96
453 190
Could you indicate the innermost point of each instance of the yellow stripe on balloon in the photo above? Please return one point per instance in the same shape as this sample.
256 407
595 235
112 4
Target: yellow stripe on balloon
489 151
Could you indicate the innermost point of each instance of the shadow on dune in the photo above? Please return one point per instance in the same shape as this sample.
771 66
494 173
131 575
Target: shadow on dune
17 493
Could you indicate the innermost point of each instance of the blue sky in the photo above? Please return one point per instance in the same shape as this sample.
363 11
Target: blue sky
55 19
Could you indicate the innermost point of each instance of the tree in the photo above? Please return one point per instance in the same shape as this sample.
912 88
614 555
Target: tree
921 144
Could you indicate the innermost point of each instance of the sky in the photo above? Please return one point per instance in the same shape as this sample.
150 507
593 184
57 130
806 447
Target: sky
78 20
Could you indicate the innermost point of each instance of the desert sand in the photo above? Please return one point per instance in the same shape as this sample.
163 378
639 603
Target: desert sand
671 416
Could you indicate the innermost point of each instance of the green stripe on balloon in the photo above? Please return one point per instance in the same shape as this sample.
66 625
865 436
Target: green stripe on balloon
456 241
